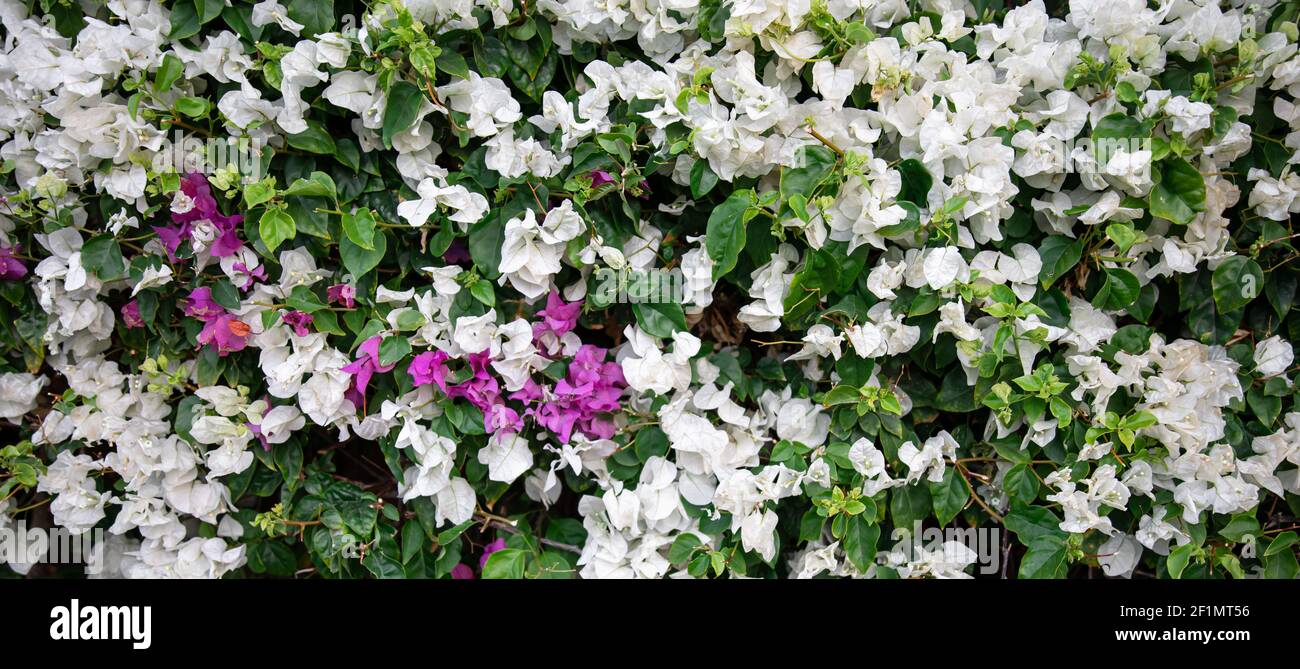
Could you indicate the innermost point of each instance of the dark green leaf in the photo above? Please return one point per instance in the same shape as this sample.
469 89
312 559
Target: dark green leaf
1237 280
404 102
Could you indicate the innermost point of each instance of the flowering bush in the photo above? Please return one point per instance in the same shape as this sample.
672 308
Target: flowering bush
680 288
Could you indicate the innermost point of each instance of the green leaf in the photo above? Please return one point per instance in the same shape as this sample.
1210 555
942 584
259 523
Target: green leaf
1237 280
1059 255
660 319
909 503
404 101
555 565
485 238
450 534
860 539
815 164
1179 191
239 18
288 459
799 205
702 179
359 227
505 563
303 299
1117 126
1126 92
423 58
359 515
393 349
1265 407
347 152
491 56
911 221
1281 542
1281 292
453 63
916 182
842 395
383 566
1031 522
412 541
699 567
1062 411
949 496
193 107
1009 450
410 319
1021 483
305 216
483 292
1139 420
1145 304
327 322
315 139
1241 526
168 72
359 261
209 9
1179 558
102 255
1123 235
819 276
24 474
954 204
319 184
1231 564
719 562
273 558
725 235
527 56
275 227
1046 558
316 16
185 20
1281 566
258 192
683 547
1119 289
955 395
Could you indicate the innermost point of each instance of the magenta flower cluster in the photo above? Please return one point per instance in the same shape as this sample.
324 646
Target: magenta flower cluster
363 369
581 401
342 293
221 328
11 268
202 213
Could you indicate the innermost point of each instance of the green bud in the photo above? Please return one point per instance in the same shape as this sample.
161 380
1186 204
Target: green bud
1289 29
1247 50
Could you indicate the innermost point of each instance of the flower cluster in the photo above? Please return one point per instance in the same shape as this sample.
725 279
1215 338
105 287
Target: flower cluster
198 223
583 399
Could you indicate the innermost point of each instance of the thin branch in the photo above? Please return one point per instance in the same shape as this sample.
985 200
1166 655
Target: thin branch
987 509
829 144
506 525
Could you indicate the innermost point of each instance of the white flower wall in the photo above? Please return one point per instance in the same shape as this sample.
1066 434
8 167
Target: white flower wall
667 288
